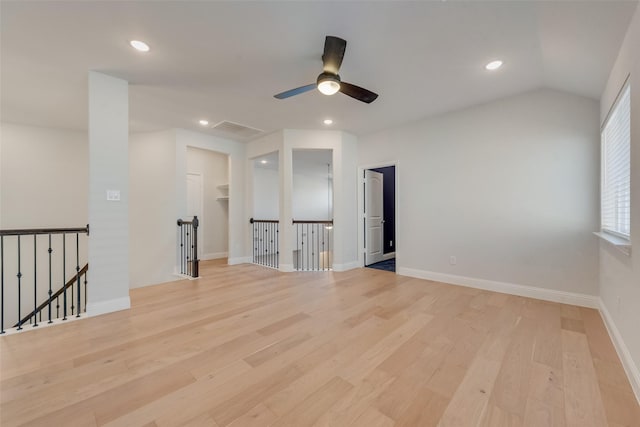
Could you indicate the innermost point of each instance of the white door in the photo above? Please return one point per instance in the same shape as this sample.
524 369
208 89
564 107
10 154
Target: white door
373 217
194 205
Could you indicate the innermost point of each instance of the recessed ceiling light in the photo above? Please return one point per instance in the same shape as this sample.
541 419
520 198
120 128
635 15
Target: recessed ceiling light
493 65
328 122
204 122
264 162
138 45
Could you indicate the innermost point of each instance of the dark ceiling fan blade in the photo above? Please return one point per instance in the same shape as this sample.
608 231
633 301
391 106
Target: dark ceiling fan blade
357 92
333 53
296 91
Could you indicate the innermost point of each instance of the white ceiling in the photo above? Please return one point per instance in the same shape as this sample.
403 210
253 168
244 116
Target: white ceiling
226 60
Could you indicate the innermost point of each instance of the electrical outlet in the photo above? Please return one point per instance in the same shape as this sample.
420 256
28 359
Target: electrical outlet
453 260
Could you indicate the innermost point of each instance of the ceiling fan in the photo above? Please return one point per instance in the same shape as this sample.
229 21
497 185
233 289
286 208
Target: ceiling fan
328 81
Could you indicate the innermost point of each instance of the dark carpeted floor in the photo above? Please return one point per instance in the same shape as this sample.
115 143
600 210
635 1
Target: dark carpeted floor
387 265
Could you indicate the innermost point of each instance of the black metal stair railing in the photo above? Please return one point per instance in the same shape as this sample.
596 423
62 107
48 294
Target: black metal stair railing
188 241
20 248
265 238
313 245
76 279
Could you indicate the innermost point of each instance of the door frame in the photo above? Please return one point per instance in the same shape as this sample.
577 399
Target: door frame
201 225
361 230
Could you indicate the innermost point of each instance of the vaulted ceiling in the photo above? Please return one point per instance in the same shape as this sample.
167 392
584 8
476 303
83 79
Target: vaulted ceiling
226 60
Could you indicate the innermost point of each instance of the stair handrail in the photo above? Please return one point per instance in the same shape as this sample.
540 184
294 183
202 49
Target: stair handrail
55 295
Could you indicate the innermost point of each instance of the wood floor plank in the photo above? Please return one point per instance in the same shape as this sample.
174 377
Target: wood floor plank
312 408
258 416
359 399
539 413
468 404
248 346
512 384
583 401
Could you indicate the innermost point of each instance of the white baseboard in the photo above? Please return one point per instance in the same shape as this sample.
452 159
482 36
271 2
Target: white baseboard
43 324
104 307
390 255
582 300
286 268
239 260
346 266
180 276
214 255
632 371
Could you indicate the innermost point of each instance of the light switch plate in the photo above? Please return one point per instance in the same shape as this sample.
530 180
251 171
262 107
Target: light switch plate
113 195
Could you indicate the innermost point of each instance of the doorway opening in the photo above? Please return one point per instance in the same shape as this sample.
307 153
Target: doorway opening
379 217
208 199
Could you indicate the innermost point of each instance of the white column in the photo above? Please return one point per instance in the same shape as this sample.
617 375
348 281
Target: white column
108 287
286 232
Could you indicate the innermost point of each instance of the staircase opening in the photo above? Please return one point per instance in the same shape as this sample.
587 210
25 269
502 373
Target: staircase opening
265 224
312 203
43 276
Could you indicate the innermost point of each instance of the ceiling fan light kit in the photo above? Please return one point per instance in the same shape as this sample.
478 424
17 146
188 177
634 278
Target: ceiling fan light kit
328 84
328 81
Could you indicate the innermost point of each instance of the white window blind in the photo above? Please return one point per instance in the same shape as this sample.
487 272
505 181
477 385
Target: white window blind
616 167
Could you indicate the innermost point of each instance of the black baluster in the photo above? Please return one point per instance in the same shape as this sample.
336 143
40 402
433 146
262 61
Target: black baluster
260 243
329 264
184 256
2 282
64 275
277 244
85 289
19 289
253 239
196 260
186 250
181 246
268 250
272 246
323 260
50 291
298 246
78 273
57 307
35 282
266 244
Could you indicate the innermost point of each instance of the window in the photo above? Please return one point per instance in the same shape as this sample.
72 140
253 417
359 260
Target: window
616 168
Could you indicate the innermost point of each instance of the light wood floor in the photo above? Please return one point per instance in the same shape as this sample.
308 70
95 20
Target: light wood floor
247 346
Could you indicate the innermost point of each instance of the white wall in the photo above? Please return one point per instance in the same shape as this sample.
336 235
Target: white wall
346 201
44 174
152 219
266 193
214 169
620 273
509 188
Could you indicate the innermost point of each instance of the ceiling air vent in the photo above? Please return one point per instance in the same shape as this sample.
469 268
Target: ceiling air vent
238 130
